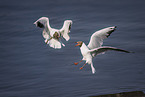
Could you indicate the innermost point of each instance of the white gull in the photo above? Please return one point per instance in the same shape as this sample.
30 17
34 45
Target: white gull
53 36
95 46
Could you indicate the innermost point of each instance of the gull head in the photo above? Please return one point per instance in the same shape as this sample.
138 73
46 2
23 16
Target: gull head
79 43
56 35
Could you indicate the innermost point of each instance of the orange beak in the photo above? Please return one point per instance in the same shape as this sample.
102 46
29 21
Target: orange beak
77 44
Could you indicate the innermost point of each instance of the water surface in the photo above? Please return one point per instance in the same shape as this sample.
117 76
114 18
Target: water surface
30 68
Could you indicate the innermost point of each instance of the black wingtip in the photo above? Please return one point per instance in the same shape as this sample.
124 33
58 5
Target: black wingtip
40 25
131 52
127 51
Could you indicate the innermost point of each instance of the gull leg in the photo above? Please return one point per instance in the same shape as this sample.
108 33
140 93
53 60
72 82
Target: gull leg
76 63
61 41
48 40
83 66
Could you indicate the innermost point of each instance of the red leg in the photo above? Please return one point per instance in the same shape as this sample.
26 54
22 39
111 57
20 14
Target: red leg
83 66
76 63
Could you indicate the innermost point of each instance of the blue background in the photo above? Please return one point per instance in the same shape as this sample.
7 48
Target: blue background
30 68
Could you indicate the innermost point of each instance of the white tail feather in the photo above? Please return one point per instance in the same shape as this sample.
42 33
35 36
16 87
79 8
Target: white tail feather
54 43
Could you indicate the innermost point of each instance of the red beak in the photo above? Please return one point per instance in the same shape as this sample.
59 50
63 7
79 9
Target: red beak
77 44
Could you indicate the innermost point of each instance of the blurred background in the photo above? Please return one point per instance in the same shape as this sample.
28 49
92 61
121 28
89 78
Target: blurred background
30 68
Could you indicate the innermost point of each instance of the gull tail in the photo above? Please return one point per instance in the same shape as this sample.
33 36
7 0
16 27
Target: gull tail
54 43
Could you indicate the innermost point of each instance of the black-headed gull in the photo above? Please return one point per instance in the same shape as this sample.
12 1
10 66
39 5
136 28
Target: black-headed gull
95 46
52 36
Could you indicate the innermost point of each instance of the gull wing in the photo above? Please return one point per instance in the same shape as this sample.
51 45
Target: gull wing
64 31
43 23
103 49
45 34
97 38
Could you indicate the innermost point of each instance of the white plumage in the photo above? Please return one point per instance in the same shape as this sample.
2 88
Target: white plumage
95 46
53 36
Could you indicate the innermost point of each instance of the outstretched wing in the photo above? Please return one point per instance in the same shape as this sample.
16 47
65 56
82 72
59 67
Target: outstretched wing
64 31
103 49
43 22
97 38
